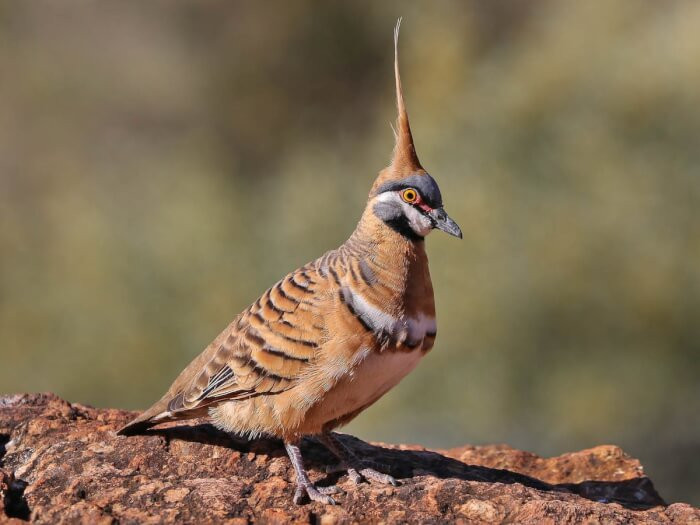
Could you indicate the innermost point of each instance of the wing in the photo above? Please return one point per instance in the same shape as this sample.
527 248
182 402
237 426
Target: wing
263 352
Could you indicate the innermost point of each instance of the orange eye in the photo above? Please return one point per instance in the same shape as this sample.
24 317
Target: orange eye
410 195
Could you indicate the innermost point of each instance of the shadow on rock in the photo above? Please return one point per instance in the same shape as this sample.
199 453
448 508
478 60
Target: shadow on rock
635 494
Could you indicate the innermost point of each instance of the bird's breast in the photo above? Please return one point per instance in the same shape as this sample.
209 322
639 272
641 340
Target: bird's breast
397 345
373 376
402 331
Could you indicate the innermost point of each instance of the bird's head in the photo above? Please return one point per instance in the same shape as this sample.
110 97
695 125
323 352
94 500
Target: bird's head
404 195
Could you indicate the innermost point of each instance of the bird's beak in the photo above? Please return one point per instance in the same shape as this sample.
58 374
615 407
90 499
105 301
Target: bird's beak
442 221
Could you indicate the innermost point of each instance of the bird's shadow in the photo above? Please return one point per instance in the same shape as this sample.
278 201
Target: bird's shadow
635 494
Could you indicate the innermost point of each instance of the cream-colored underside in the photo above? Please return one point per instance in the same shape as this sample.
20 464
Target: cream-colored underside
370 379
373 377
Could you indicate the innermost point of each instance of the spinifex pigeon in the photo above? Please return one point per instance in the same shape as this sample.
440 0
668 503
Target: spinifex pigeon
332 337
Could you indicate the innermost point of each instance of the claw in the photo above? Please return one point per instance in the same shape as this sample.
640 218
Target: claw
373 475
354 476
332 489
318 496
304 485
350 462
299 494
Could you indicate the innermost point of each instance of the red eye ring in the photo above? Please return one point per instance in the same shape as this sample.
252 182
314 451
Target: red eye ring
409 195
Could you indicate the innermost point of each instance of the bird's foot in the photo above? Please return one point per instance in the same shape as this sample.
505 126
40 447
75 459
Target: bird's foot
304 485
366 473
358 469
314 493
363 472
373 475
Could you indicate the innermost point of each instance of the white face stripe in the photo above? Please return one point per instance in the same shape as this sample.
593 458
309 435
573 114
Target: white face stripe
389 196
418 222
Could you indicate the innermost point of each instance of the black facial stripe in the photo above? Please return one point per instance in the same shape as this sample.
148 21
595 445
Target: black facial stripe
425 184
392 215
401 226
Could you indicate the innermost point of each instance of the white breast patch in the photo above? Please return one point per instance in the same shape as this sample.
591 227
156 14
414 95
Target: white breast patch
407 330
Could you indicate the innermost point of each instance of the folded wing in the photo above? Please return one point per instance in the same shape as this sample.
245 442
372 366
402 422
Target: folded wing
264 351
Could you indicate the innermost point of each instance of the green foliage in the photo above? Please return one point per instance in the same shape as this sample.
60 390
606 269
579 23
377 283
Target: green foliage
162 164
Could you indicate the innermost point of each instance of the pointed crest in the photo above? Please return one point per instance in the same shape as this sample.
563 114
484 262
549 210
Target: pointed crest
404 161
404 151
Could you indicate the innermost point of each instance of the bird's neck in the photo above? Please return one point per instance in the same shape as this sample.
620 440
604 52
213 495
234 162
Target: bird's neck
385 243
401 262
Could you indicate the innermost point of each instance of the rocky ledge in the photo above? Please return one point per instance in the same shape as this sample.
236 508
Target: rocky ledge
64 463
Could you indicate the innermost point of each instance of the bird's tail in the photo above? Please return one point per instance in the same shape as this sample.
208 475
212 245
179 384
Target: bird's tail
159 413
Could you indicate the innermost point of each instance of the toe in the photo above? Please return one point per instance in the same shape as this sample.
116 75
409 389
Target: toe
299 495
316 495
332 489
355 476
321 494
379 477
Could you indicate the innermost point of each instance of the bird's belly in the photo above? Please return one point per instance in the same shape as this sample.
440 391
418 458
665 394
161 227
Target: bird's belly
371 378
355 382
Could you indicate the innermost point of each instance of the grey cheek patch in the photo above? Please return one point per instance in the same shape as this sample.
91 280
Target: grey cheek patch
387 211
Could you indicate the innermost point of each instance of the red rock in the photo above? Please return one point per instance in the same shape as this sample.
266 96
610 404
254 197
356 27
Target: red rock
63 463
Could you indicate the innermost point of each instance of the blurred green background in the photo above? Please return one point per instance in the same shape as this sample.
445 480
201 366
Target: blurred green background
161 164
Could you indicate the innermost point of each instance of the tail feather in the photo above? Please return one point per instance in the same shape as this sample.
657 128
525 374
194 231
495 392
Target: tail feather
135 427
143 422
157 414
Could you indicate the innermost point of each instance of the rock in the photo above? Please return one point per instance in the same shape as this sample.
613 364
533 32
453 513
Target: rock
64 463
